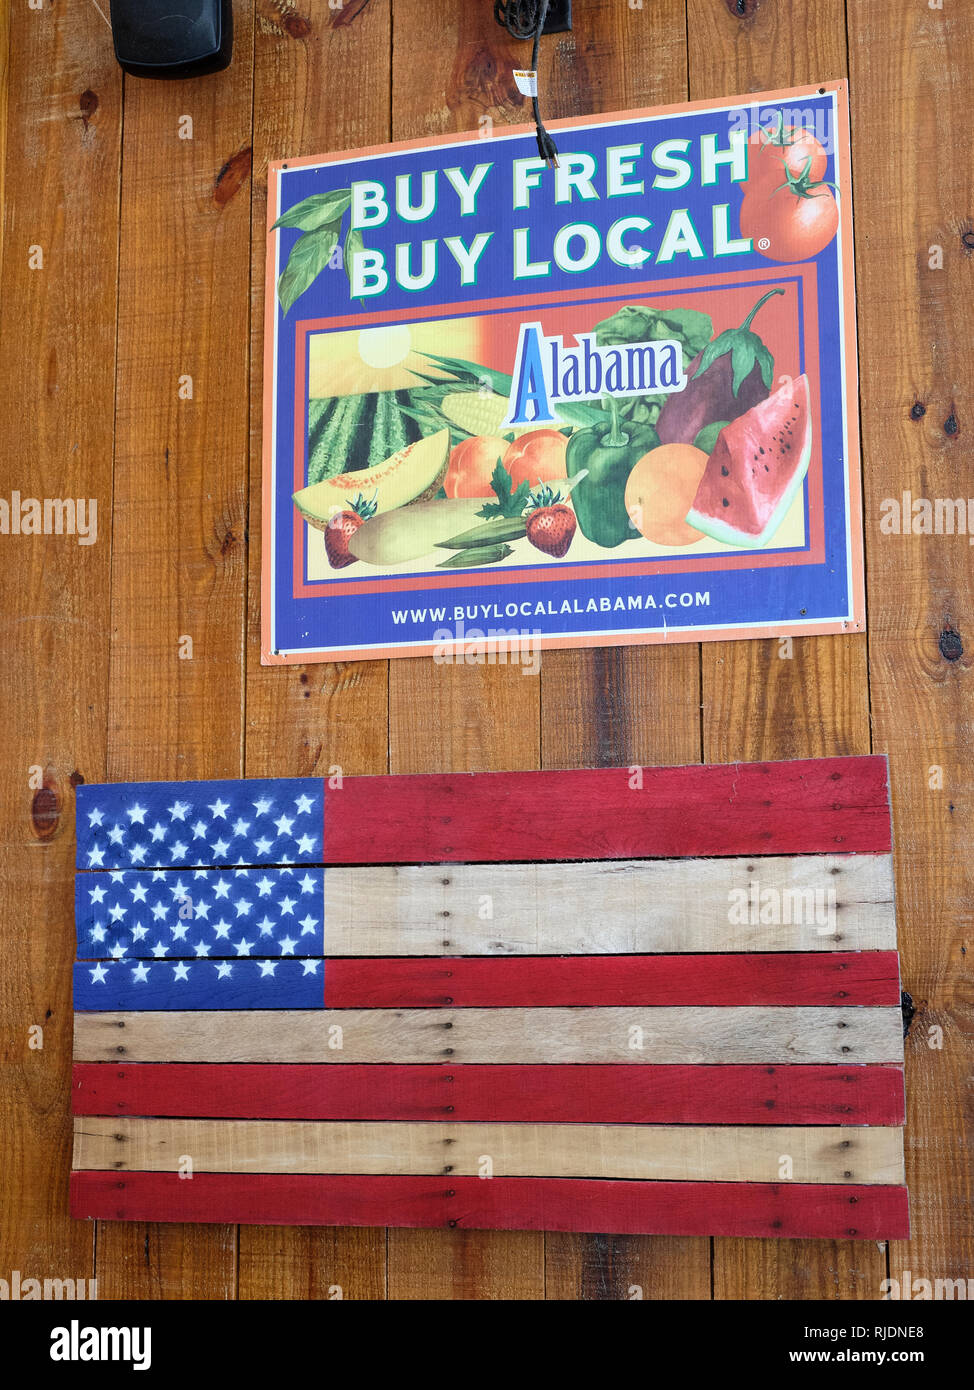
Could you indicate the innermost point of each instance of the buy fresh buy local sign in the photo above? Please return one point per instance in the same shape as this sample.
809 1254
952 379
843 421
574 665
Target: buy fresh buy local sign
613 401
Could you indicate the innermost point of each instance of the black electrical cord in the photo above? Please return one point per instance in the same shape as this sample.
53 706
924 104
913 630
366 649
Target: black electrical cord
525 19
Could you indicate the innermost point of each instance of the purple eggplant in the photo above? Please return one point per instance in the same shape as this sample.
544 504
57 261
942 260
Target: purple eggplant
732 374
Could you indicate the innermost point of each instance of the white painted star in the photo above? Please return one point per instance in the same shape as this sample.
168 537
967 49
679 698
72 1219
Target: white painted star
117 951
201 948
263 846
136 814
177 811
263 806
159 950
219 809
98 974
179 931
199 830
267 967
141 973
240 826
305 844
179 889
221 888
157 831
264 886
201 910
159 911
307 884
139 892
243 946
181 971
117 912
116 835
95 817
287 907
284 824
304 804
178 850
98 933
287 946
97 895
224 970
310 967
137 854
243 907
95 856
158 875
308 925
220 848
139 932
117 875
222 929
266 927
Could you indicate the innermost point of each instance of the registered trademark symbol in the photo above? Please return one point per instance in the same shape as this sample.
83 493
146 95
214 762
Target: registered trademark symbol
764 243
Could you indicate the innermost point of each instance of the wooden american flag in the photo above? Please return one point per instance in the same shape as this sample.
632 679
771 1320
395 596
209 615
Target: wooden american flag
659 1000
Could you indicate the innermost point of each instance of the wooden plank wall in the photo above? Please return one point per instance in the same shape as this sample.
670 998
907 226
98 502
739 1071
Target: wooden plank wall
148 240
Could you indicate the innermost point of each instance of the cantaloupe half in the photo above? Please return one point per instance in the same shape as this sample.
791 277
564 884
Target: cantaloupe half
409 475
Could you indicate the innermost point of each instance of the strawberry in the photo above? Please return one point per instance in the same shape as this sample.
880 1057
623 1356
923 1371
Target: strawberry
342 527
550 523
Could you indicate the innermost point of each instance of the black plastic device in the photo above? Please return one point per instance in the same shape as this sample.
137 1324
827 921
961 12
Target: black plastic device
172 38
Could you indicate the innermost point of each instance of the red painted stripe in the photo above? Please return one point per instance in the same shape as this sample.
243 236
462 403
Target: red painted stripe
742 1095
789 980
511 1204
808 806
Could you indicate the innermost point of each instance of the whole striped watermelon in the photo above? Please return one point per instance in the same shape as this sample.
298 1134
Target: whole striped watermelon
758 464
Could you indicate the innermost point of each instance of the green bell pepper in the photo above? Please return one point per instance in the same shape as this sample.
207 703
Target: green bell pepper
609 451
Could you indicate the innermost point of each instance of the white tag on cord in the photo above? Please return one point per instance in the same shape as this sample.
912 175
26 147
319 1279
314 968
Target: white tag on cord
526 80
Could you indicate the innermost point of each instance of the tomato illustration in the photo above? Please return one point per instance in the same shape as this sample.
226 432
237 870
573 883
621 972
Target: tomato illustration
775 153
538 457
472 465
791 224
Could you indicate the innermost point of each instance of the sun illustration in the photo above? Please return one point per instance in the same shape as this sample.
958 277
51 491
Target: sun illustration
386 357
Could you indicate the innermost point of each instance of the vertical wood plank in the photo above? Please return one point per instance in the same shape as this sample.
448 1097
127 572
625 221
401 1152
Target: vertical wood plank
452 65
306 721
918 406
617 706
758 704
59 170
178 564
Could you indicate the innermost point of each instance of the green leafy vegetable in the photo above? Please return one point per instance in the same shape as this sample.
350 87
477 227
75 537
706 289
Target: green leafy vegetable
309 256
511 500
316 211
640 323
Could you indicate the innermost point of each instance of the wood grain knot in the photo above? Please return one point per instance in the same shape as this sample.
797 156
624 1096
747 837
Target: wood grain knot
232 177
88 105
45 812
743 9
917 410
297 26
951 646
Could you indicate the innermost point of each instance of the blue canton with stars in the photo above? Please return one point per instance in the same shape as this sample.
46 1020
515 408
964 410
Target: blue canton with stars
198 984
200 912
149 825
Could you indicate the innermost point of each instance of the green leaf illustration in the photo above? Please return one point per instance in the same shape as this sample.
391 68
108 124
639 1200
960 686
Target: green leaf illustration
317 211
309 256
353 243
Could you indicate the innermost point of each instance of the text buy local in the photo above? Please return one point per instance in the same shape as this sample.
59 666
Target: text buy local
575 246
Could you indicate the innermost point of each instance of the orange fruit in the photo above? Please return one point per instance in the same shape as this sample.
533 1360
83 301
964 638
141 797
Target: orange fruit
660 492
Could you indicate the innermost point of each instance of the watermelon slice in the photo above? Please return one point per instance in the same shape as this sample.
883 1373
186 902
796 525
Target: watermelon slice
757 465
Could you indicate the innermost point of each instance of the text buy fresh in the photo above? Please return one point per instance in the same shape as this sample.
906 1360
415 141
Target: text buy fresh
630 241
